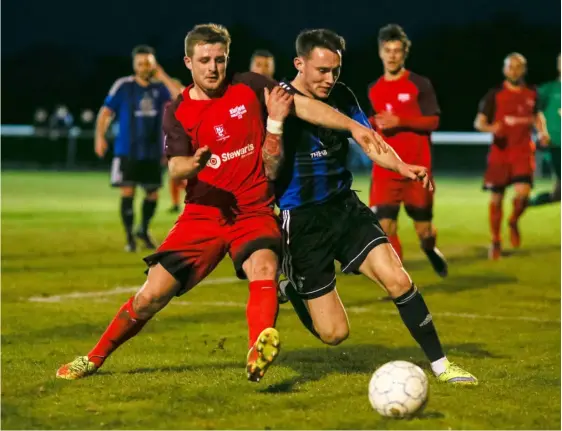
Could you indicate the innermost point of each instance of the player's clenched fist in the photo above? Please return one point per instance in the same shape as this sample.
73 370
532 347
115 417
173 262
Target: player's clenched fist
416 173
279 103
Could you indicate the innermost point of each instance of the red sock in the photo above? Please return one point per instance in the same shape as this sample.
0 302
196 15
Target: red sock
175 192
124 326
495 221
262 308
395 242
519 205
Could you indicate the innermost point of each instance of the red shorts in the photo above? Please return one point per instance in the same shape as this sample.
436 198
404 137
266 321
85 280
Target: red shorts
388 193
507 167
199 241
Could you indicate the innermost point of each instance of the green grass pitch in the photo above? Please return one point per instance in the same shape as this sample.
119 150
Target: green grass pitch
64 275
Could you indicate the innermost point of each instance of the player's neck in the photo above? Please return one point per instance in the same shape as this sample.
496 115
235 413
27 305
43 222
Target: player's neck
197 93
389 76
142 82
514 87
299 85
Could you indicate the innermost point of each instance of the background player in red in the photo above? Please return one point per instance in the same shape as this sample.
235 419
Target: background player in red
509 111
406 112
215 137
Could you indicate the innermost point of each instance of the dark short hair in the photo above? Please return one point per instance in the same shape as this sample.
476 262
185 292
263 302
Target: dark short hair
307 40
261 53
142 49
393 32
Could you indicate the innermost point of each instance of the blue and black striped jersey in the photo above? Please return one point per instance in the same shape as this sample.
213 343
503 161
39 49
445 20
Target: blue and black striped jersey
314 169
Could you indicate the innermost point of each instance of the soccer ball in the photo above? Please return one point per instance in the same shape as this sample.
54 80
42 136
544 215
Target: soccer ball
398 389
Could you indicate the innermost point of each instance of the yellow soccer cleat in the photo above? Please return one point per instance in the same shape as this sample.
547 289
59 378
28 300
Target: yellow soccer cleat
456 375
77 369
262 354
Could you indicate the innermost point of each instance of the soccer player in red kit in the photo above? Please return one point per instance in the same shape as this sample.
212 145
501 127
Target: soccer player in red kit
215 137
405 112
509 112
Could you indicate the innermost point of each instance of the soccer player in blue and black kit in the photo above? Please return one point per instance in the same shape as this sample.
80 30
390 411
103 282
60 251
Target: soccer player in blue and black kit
137 102
323 219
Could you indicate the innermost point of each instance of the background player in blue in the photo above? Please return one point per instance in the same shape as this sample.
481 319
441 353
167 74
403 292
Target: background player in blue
137 102
323 219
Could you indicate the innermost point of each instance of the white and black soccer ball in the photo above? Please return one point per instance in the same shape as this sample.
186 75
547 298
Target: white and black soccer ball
398 389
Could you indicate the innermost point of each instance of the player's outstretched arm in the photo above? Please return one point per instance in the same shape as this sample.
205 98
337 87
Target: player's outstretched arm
318 113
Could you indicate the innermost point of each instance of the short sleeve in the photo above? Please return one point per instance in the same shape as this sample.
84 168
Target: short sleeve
116 94
427 99
256 82
487 105
176 140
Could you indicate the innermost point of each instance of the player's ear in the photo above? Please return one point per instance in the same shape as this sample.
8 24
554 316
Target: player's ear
188 63
299 64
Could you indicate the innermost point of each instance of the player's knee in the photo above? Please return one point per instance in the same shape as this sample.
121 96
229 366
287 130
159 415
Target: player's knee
423 229
389 226
147 304
334 335
152 195
399 283
263 269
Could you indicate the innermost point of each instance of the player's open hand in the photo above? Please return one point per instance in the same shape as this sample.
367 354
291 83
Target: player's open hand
201 157
368 139
416 173
279 103
100 146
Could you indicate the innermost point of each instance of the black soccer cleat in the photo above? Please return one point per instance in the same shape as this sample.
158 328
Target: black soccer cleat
437 261
174 209
146 239
131 245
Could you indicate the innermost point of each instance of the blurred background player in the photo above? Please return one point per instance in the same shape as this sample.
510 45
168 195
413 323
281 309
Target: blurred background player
175 185
509 112
406 112
549 111
137 102
263 62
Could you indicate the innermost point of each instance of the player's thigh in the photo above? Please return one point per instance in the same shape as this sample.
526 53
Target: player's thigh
190 252
359 232
160 287
255 245
148 174
308 256
383 265
122 174
522 173
498 171
418 202
386 196
329 317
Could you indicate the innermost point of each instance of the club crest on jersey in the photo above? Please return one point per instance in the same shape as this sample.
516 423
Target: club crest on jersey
237 112
403 97
221 132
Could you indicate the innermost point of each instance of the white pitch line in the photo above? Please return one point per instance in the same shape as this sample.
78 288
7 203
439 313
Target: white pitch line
230 280
118 291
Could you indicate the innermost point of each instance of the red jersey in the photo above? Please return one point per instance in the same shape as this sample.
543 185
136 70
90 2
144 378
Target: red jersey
232 126
502 102
411 95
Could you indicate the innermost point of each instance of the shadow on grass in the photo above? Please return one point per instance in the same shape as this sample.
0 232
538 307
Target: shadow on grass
313 364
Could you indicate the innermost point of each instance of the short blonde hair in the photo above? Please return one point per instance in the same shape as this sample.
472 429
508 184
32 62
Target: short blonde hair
206 33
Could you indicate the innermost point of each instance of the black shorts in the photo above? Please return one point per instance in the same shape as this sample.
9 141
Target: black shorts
343 229
127 172
555 155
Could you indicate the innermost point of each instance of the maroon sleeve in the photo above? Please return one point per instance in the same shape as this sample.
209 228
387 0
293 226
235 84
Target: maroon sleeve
176 140
256 82
427 100
487 105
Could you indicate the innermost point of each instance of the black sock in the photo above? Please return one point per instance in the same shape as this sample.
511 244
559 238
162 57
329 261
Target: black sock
300 309
127 215
541 199
417 319
148 209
